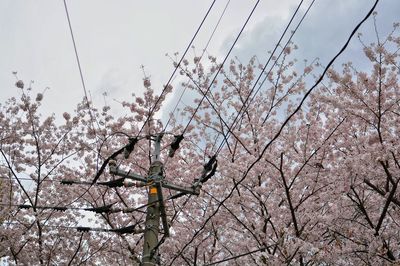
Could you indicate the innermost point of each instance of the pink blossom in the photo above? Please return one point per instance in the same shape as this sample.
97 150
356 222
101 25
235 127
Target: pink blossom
19 84
146 83
140 101
308 69
287 50
39 97
66 116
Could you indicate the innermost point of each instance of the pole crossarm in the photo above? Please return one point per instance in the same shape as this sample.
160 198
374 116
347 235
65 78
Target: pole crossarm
127 174
194 190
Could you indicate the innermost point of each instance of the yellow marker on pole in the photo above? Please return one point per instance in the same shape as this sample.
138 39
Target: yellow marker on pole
153 190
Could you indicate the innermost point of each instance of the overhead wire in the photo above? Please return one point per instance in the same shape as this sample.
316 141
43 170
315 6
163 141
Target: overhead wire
155 105
216 74
219 69
101 209
248 253
221 66
109 183
92 118
99 172
83 83
219 115
201 56
166 86
89 108
190 78
176 68
246 105
79 65
283 49
123 230
262 249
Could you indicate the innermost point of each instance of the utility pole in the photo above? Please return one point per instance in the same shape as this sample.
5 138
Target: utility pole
152 225
156 205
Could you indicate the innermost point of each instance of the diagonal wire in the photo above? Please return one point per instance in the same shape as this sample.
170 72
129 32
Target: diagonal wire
245 106
122 230
201 56
79 64
176 68
221 66
262 249
101 209
218 114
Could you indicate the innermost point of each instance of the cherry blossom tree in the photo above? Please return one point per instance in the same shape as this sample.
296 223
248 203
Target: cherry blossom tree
365 156
324 192
310 185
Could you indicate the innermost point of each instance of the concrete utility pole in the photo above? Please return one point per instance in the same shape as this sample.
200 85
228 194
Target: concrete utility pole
156 206
153 210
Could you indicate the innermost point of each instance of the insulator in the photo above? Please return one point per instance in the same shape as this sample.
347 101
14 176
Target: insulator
129 148
175 145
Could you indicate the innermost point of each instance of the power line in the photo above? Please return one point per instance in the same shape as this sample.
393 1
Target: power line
176 68
218 114
179 138
208 89
76 50
43 180
221 66
79 64
202 54
119 182
245 106
283 49
102 168
237 256
101 209
130 229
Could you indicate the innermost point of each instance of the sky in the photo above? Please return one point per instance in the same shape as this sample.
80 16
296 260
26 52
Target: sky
115 38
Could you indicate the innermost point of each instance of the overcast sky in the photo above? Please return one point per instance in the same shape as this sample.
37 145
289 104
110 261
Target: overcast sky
114 38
